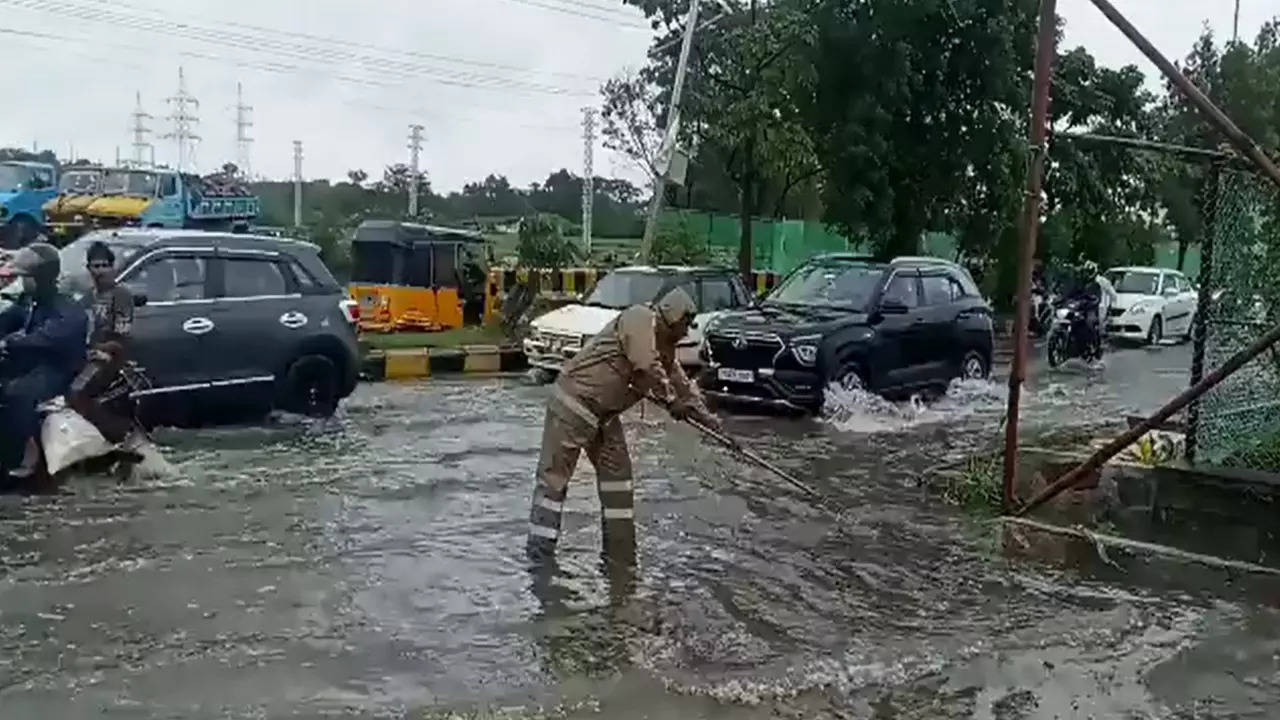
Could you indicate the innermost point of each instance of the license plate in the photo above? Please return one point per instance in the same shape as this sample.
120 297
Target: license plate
736 375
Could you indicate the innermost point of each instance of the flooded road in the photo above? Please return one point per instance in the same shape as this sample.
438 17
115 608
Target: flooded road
372 566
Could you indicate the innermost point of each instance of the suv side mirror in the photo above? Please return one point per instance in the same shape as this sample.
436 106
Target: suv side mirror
893 307
139 300
1170 291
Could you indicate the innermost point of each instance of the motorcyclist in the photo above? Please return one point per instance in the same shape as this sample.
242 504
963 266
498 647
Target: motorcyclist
633 357
43 337
1093 294
112 312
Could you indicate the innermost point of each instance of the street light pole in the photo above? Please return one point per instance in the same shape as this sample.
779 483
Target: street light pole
669 136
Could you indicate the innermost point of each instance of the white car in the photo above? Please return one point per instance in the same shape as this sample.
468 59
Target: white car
561 333
1151 304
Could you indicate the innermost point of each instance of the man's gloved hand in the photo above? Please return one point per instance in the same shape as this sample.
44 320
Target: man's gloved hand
682 409
708 418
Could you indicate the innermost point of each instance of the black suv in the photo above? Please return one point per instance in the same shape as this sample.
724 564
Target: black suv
229 322
892 328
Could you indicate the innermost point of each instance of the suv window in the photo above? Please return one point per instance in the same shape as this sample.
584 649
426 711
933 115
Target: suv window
253 278
938 289
717 294
305 282
904 289
170 279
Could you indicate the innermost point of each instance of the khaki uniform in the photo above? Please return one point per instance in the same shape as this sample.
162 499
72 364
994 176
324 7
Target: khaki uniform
632 357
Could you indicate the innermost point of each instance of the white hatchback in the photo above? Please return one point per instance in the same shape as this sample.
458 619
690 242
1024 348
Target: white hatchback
1151 304
561 333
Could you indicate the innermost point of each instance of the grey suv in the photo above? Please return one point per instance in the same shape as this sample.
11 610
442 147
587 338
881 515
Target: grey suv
229 322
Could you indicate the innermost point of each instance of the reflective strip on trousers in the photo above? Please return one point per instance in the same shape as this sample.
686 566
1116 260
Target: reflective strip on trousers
544 517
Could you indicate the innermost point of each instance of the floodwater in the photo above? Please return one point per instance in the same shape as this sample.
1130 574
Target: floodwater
372 566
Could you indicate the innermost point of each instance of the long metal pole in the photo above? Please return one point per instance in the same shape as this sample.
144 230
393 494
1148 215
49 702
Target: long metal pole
1216 117
1045 49
1209 201
1173 406
673 118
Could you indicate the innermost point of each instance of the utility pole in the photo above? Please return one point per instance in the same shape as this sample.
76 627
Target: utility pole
140 133
588 175
1235 33
243 141
297 183
183 116
668 147
415 156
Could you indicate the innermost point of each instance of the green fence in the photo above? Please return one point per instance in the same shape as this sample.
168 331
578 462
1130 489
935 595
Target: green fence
777 245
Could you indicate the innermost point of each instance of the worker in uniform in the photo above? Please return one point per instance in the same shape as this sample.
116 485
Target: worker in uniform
633 357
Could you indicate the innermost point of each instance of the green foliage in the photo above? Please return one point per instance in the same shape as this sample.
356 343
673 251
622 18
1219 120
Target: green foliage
678 244
976 486
543 245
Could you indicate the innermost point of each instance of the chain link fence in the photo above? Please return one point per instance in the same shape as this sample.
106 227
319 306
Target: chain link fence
1237 424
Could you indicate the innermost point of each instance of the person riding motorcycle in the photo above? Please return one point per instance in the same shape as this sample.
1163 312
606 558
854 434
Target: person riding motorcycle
43 337
631 359
1094 295
112 311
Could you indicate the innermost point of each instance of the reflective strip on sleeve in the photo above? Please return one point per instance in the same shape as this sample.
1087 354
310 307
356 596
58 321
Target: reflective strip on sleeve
544 532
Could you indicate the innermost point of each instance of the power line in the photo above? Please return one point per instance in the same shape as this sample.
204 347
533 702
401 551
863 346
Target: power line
578 13
437 110
382 66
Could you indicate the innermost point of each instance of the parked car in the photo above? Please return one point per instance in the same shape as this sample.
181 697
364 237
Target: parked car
1151 304
892 328
229 322
561 333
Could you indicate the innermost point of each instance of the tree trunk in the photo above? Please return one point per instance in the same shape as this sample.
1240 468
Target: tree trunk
747 210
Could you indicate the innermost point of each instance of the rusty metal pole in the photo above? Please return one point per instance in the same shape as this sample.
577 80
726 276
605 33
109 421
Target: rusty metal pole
1185 398
1045 49
1216 117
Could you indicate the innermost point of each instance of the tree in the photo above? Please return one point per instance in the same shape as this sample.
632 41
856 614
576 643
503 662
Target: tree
629 124
916 114
542 244
357 176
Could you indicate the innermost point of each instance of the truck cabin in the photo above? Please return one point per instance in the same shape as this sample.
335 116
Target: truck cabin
17 176
140 183
81 181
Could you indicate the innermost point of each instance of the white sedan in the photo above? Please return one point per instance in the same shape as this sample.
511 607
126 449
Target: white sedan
561 333
1151 304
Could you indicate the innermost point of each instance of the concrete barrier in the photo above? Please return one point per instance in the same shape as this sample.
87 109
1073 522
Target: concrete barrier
419 363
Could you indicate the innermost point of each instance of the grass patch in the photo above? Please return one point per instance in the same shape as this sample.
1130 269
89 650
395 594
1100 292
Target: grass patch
470 335
976 486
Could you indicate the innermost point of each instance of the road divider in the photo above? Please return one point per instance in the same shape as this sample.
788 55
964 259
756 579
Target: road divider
419 363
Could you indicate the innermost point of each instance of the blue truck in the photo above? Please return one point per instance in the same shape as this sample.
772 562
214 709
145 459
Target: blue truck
24 189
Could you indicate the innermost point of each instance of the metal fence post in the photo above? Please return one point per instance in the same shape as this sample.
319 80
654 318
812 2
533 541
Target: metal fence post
1200 329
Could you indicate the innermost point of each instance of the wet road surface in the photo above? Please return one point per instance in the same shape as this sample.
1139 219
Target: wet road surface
372 566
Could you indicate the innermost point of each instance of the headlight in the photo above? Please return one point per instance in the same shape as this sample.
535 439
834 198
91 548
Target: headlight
805 349
1140 309
1063 313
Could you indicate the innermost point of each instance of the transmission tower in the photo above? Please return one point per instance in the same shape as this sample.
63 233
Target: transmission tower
415 156
183 116
243 123
297 183
588 173
142 150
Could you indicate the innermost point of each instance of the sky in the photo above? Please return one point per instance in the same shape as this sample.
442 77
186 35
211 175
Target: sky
499 85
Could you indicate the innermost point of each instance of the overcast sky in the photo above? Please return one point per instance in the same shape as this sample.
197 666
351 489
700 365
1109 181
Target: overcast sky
498 84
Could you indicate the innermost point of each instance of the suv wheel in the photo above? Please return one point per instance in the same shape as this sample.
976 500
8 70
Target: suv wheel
850 378
311 387
974 366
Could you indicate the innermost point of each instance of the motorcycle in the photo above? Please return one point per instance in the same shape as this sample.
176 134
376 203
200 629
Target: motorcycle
1070 335
69 442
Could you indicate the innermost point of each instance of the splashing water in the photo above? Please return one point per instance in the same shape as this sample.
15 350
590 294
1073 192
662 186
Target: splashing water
860 411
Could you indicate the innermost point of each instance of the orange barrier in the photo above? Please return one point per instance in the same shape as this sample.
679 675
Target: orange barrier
391 308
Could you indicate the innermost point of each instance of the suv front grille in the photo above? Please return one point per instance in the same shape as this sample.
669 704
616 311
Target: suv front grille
752 350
